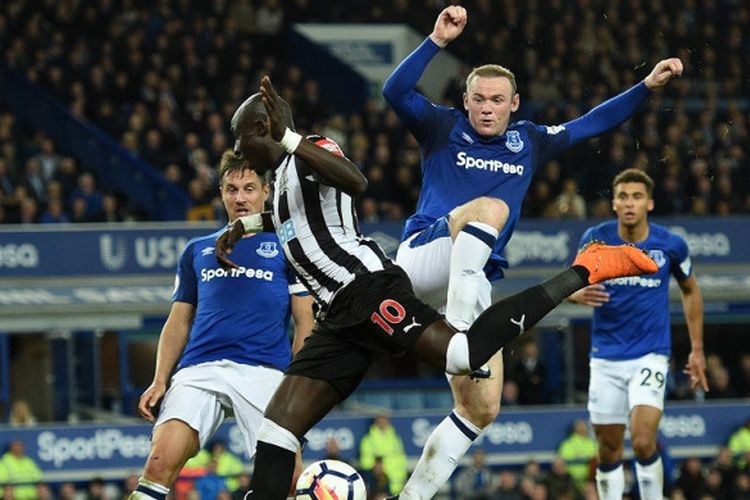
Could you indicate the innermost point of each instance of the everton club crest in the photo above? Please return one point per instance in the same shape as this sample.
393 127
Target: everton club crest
513 141
268 249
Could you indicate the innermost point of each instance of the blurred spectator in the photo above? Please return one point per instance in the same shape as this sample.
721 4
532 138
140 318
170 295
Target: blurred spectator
741 489
23 473
507 486
559 483
739 444
228 465
529 374
243 486
510 393
579 450
742 376
48 158
110 211
210 484
714 487
382 440
691 481
129 484
88 191
33 181
333 451
721 386
95 490
68 491
54 213
28 211
474 482
43 491
570 204
377 482
21 414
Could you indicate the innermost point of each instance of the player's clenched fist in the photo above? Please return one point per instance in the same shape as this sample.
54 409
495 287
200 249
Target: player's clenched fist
450 23
663 72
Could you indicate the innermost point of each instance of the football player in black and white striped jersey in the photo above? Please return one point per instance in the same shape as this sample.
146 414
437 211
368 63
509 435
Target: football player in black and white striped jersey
367 304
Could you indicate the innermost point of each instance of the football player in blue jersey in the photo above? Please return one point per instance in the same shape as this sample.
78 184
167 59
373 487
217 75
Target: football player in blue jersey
226 336
476 170
631 339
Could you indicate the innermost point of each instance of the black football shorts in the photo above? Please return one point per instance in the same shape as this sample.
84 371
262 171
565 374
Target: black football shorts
377 312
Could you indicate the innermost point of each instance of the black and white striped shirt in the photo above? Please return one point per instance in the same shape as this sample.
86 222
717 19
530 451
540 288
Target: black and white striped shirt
318 229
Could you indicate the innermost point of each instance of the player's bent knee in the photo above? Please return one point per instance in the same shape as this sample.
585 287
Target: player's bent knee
480 414
643 447
160 469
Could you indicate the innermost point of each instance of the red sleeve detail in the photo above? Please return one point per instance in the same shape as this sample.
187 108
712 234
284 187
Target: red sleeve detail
328 144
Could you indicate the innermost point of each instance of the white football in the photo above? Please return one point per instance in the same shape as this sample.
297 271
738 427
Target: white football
330 480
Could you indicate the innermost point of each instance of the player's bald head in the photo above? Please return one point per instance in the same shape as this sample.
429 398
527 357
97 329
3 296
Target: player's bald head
253 109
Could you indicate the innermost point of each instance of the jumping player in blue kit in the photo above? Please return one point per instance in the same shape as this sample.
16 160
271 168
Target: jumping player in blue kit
631 339
228 330
475 174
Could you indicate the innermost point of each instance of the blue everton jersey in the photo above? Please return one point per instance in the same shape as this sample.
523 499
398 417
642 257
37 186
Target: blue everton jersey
241 314
459 165
635 321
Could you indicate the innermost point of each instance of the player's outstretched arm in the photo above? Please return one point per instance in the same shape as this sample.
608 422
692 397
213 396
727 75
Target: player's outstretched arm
692 304
174 336
616 110
663 72
337 171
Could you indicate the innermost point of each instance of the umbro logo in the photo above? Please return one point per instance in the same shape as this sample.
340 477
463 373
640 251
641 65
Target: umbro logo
207 251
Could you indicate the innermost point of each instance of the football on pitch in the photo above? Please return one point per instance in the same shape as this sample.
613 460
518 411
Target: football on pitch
330 480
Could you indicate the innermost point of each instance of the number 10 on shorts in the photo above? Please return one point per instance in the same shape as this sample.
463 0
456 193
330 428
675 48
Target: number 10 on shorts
390 312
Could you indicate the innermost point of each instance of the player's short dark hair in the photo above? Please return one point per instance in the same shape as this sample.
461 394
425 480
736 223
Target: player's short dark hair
634 175
230 162
491 71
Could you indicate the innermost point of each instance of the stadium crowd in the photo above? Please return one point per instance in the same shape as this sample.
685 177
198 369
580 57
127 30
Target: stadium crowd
163 79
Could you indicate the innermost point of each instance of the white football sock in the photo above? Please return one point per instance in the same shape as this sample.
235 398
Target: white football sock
444 448
471 249
650 475
610 483
148 490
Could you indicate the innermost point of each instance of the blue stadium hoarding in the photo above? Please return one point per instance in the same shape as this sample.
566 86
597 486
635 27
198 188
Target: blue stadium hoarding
80 452
147 248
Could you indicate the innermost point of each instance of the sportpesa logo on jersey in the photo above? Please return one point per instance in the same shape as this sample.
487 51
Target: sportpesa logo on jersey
241 272
466 161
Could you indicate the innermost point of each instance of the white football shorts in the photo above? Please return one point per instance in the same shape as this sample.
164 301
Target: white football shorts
426 258
616 387
203 395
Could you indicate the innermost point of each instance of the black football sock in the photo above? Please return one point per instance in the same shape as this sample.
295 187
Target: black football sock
274 467
509 318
